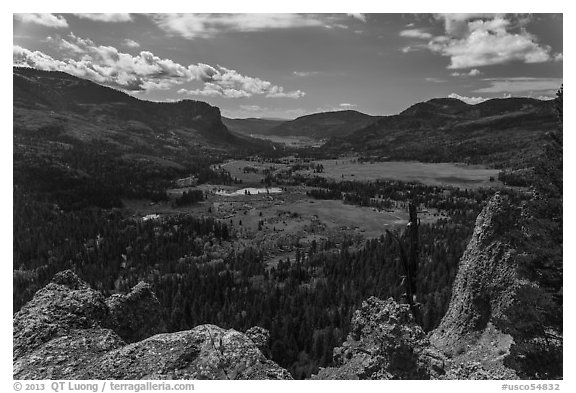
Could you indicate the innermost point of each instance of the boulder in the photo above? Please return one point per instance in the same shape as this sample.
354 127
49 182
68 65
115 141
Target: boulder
137 315
260 337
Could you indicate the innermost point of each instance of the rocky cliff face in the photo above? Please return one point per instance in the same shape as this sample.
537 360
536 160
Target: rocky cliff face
69 331
385 343
497 326
486 278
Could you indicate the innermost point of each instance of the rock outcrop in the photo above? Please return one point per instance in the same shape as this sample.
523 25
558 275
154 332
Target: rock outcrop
70 331
487 277
385 343
64 305
260 337
205 352
495 326
138 314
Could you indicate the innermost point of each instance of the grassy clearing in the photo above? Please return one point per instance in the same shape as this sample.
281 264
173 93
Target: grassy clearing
436 174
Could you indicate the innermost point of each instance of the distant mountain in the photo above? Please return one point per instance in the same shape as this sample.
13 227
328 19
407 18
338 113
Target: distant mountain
251 126
498 132
88 110
86 144
325 124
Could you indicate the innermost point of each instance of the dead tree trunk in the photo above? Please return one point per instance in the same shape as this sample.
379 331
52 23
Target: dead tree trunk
409 258
413 249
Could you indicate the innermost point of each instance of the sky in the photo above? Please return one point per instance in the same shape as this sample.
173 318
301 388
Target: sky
289 65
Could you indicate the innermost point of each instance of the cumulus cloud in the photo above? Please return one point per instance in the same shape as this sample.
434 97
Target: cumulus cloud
106 17
48 20
130 43
521 86
472 72
472 40
361 17
468 100
206 25
415 33
145 71
228 83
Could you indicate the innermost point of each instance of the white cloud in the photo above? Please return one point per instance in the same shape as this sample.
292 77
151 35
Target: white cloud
472 72
521 86
415 33
206 25
145 71
130 43
471 40
106 17
229 83
361 17
305 73
468 100
346 105
435 80
48 20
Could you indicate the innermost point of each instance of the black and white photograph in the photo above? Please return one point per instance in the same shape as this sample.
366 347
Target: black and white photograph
286 196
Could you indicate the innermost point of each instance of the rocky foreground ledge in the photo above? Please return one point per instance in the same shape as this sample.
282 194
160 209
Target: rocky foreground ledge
70 331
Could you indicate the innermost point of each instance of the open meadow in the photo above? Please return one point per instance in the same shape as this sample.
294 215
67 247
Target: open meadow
434 174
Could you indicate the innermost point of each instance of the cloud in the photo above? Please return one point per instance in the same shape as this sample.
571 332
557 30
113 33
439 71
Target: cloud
229 83
48 20
361 17
468 100
415 33
106 17
472 40
130 43
521 86
435 80
472 72
305 73
206 25
145 71
346 105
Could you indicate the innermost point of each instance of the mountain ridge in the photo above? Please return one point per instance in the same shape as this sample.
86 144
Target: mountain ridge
497 132
324 124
